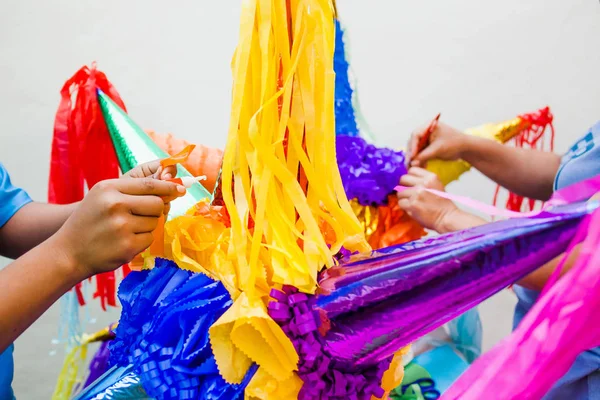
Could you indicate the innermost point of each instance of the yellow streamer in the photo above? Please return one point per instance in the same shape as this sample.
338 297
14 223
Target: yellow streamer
246 333
263 387
449 171
70 373
288 212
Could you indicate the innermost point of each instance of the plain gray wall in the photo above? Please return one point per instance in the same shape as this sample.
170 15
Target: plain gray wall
475 61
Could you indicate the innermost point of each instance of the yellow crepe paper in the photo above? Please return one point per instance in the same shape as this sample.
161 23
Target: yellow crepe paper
280 183
74 361
246 332
199 243
260 182
449 171
392 378
262 386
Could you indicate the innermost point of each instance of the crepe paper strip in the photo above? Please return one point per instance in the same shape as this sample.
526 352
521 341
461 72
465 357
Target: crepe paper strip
82 152
199 241
264 387
548 339
70 376
322 378
279 181
203 160
163 333
178 158
246 334
402 296
394 375
255 145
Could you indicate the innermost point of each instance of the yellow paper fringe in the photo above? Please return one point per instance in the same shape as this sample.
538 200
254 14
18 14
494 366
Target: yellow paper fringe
262 386
280 183
449 171
259 181
392 378
70 373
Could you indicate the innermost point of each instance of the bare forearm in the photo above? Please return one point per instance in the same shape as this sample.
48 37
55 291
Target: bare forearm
529 173
458 221
538 278
30 285
30 226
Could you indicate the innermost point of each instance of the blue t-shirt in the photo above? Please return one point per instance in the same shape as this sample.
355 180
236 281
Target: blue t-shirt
11 201
582 381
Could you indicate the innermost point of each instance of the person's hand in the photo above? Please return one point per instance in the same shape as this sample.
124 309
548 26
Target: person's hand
445 143
114 223
429 210
153 169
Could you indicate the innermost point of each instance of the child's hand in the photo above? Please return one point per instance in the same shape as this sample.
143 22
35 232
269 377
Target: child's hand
153 169
445 143
114 222
426 208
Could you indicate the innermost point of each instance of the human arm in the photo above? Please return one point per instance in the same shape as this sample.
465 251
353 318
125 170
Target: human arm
441 215
36 222
431 211
525 172
538 278
112 224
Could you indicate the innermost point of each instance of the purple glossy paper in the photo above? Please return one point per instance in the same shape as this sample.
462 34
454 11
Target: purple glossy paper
557 329
376 306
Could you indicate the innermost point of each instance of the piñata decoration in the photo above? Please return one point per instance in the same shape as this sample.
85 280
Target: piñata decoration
253 296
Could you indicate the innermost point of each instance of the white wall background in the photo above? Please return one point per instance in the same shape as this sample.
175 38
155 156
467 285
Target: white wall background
476 61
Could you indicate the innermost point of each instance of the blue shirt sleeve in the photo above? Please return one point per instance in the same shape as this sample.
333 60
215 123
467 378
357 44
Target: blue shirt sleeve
582 161
11 198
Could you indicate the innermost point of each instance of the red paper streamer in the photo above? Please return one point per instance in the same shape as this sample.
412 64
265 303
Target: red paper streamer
83 153
532 137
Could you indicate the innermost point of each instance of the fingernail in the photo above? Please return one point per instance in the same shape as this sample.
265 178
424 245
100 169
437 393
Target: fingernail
181 188
168 175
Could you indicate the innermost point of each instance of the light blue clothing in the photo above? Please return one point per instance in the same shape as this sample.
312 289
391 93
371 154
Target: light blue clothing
11 201
582 381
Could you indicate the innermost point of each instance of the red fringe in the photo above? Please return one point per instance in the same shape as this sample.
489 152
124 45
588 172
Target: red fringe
533 137
83 153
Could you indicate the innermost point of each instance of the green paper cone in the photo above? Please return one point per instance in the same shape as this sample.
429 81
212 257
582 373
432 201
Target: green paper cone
134 147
